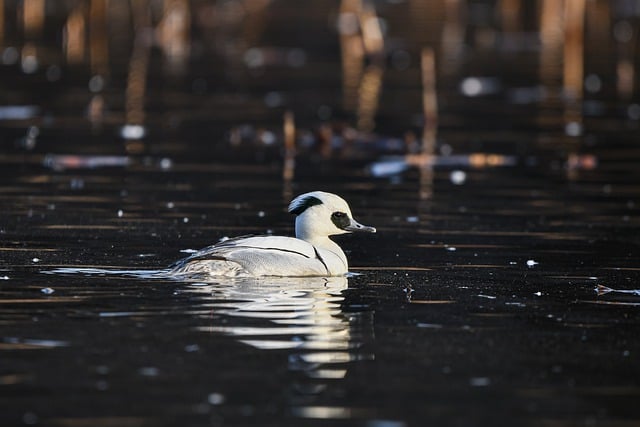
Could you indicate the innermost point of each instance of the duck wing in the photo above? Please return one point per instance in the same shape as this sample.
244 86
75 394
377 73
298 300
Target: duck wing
256 256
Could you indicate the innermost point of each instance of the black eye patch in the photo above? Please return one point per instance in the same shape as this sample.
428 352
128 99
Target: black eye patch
340 219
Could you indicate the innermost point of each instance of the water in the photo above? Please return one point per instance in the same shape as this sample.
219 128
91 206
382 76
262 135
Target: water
447 319
500 289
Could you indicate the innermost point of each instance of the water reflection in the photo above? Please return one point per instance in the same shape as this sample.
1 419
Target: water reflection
73 42
173 34
302 314
134 129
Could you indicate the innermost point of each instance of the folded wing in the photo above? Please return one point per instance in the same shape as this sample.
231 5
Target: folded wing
255 256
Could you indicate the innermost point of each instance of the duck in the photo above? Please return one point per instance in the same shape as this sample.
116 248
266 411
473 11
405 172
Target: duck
318 216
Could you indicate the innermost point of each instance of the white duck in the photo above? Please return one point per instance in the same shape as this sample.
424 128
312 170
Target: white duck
311 253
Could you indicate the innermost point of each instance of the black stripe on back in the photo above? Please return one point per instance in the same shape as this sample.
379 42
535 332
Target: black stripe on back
321 260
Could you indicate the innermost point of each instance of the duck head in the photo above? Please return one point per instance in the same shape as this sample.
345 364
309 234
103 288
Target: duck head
320 214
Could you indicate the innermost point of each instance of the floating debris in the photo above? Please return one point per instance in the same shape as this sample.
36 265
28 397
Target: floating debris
392 165
408 290
72 161
603 290
388 167
34 343
47 291
516 304
429 325
18 112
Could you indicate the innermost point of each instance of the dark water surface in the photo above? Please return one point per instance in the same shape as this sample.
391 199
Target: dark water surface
489 296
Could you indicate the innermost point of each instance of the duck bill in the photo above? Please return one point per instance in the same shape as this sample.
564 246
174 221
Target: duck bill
357 227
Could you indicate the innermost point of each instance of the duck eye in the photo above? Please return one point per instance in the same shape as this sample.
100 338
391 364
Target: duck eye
340 219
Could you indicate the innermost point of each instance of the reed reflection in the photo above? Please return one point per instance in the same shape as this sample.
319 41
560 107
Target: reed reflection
134 129
33 18
300 314
2 24
73 40
574 49
361 37
173 34
99 47
453 33
352 51
551 37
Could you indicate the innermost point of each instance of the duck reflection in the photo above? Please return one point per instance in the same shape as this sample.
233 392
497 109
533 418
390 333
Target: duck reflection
300 314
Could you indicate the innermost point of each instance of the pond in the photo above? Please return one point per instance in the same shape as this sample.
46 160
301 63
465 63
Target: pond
501 287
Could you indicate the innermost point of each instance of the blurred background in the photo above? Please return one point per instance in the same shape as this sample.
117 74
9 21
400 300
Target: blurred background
494 144
356 76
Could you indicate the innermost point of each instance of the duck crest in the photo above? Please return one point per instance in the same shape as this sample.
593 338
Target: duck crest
302 203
